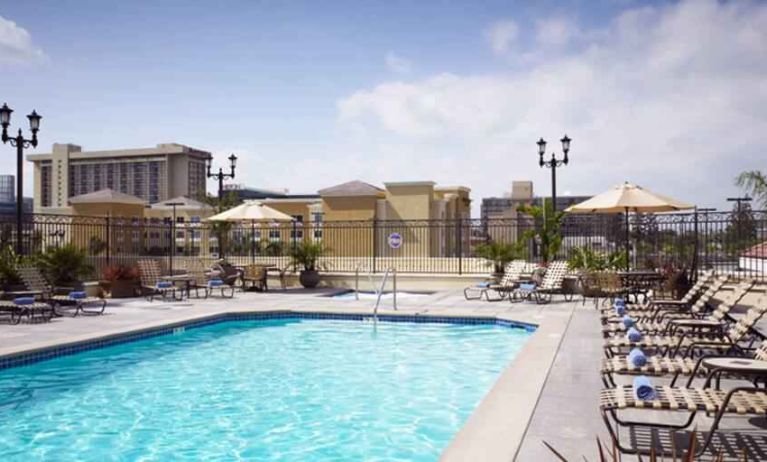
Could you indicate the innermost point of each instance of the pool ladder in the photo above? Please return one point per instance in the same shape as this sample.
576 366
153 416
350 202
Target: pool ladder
379 291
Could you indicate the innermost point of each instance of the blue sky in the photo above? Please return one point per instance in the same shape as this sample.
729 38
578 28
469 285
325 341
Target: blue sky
669 95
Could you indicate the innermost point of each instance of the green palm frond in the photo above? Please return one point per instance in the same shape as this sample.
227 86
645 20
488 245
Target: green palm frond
755 184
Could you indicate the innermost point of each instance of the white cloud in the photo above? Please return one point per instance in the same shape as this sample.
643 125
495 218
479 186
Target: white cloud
501 35
555 32
671 97
16 45
397 64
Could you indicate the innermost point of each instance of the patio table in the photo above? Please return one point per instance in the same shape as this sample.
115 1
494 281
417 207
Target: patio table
640 282
185 278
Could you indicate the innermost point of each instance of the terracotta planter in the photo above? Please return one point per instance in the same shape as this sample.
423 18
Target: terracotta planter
309 279
123 288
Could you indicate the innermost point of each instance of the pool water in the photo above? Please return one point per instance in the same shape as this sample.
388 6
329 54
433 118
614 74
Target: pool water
269 390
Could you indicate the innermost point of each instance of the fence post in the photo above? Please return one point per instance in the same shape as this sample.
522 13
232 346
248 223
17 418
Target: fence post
375 243
695 248
109 239
460 246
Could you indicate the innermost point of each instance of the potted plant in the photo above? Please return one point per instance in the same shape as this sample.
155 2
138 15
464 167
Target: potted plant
9 278
498 254
306 255
65 266
120 280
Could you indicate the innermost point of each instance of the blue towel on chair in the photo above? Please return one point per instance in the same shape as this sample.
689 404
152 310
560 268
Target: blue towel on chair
527 287
619 301
637 358
215 283
643 389
24 300
484 284
628 321
77 294
634 335
620 310
164 285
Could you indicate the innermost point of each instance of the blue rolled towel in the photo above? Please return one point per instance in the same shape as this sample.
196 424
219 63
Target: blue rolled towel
620 310
484 284
24 300
164 285
634 335
527 287
619 301
643 389
637 357
628 321
215 282
77 294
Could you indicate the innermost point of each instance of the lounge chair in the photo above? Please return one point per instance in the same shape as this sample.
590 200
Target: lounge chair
550 284
693 293
16 311
742 400
511 276
62 299
705 337
152 285
664 322
679 366
201 281
654 311
226 272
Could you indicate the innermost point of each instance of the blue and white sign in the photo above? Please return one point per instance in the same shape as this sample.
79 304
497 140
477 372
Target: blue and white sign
395 240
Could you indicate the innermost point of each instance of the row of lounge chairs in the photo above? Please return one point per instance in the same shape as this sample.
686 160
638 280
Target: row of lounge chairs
518 284
42 300
696 337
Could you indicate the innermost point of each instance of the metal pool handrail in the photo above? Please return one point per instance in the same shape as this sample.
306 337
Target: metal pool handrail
393 272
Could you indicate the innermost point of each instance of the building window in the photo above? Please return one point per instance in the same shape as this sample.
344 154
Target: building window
179 219
298 218
194 219
274 234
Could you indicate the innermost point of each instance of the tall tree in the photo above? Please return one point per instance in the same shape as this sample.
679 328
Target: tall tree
755 184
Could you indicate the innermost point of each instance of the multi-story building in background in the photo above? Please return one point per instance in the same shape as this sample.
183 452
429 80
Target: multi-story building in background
151 174
8 196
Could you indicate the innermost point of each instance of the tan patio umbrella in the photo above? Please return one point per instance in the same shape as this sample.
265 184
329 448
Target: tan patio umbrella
252 212
627 198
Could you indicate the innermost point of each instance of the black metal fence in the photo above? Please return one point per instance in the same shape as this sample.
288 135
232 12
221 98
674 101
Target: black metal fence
725 241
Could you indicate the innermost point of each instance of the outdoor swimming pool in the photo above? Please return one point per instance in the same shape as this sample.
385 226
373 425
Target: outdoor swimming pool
368 295
266 390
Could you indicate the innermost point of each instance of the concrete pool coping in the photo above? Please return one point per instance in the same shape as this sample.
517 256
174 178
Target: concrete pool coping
495 429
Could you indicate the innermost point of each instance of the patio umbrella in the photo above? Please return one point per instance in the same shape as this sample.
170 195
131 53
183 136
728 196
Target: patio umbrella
626 198
252 212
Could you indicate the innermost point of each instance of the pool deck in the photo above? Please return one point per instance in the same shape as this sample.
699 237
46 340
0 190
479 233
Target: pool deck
530 402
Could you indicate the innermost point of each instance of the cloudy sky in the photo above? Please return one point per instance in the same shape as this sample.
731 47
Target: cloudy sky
670 95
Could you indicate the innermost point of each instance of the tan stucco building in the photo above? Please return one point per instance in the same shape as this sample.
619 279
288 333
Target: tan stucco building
151 174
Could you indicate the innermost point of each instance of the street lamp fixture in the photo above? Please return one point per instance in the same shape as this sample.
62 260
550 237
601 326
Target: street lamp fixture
20 143
221 176
553 164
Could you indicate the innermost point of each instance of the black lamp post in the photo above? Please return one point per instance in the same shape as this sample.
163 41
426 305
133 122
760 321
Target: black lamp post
553 164
221 176
19 142
172 234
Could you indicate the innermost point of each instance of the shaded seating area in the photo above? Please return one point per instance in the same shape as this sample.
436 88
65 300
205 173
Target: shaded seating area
151 283
202 281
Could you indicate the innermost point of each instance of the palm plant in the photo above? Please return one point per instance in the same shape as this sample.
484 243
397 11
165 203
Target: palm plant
306 254
755 184
65 265
546 232
498 254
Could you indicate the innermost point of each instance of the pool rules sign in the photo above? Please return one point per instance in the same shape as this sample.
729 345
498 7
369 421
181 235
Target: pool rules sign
394 240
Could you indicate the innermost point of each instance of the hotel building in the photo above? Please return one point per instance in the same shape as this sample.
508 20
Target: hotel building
151 174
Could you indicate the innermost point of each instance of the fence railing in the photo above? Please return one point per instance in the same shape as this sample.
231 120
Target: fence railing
726 241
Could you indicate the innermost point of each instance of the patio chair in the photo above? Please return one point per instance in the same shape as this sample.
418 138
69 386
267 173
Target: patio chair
512 274
679 366
226 272
283 275
16 311
697 289
196 270
551 284
62 299
149 273
663 321
655 311
255 277
705 337
740 400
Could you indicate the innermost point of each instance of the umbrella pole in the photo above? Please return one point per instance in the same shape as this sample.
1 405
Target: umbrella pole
252 242
628 247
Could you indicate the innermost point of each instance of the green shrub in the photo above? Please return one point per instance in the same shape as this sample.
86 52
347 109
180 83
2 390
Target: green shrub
65 265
